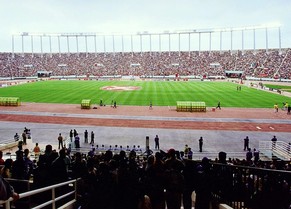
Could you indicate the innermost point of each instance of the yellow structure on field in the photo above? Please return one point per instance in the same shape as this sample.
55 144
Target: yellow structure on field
10 101
86 104
188 106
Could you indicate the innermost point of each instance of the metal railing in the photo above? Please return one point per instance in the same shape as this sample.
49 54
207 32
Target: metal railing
243 187
55 195
279 149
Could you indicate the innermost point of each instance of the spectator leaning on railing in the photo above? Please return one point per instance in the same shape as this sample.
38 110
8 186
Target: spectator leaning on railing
6 190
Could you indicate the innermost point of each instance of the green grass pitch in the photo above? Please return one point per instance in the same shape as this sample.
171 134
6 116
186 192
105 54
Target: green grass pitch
160 93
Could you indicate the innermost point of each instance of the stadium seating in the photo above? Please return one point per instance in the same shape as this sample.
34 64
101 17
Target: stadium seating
262 64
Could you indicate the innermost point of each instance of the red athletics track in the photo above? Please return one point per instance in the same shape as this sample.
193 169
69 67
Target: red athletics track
28 112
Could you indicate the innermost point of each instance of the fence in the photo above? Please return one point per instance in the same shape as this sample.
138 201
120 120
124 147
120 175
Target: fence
279 149
69 197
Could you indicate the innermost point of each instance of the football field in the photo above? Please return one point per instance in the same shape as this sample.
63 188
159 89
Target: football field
141 93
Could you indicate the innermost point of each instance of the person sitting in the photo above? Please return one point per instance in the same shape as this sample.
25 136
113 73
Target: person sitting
36 150
16 137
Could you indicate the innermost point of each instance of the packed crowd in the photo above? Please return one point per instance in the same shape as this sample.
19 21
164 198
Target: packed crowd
258 64
125 179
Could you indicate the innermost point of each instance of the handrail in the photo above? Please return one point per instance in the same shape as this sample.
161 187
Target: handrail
280 149
40 190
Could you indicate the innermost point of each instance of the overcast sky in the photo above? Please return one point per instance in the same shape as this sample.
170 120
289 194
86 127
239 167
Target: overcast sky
131 16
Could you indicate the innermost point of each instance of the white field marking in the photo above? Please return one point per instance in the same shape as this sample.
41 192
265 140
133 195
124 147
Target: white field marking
258 127
271 128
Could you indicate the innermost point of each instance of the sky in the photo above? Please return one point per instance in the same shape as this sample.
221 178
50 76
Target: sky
132 16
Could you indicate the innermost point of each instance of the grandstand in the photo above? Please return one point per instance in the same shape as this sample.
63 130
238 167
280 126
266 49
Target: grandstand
148 58
237 182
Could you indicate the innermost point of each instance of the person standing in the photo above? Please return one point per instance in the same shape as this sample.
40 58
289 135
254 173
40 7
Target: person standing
256 155
249 155
190 154
71 135
24 137
246 143
218 105
77 141
157 142
276 108
75 133
200 144
274 140
151 105
86 136
92 137
60 139
174 180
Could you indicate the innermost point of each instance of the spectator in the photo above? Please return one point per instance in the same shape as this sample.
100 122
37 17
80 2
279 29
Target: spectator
1 158
36 150
6 190
60 140
19 169
174 180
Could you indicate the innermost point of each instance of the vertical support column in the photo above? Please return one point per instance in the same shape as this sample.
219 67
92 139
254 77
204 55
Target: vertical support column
122 44
242 41
140 42
50 43
231 42
104 45
131 43
199 42
113 45
220 42
31 37
95 45
77 44
41 48
279 31
169 44
22 45
254 31
179 42
68 44
151 44
12 46
86 43
189 44
210 41
160 44
59 43
267 45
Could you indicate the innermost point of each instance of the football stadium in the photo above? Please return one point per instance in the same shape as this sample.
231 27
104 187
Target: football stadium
176 119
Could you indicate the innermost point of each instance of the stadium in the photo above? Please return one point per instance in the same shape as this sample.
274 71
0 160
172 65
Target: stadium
128 89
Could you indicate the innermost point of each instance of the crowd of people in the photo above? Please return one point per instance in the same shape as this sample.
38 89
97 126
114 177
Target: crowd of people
117 177
260 63
124 179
